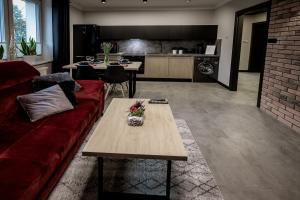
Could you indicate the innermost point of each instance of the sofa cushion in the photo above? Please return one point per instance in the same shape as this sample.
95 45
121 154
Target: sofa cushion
20 179
91 89
44 103
11 133
46 144
15 73
9 106
76 120
40 153
58 78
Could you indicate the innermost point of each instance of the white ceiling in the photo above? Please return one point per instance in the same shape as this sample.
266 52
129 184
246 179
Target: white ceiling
91 5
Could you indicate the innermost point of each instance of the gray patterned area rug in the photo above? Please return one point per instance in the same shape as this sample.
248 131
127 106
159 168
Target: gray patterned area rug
191 180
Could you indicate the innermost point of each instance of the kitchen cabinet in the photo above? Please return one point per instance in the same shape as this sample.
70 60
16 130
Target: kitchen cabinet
86 41
181 67
201 32
121 32
188 32
156 67
155 33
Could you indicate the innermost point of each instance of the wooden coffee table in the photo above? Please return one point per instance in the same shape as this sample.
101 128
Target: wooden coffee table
157 139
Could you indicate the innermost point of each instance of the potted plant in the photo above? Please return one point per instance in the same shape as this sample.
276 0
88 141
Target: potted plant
1 52
28 49
106 47
136 114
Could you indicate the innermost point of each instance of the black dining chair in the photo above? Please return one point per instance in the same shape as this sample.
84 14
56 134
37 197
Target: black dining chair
113 75
86 72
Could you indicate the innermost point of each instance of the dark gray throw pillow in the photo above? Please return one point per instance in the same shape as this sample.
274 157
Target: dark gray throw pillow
44 103
66 86
59 77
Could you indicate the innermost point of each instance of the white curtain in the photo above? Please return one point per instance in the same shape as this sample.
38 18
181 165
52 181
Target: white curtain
2 22
37 4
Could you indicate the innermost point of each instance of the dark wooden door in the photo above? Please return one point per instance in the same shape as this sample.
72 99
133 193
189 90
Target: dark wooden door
258 46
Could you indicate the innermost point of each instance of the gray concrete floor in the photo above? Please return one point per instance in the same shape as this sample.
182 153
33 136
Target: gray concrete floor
252 156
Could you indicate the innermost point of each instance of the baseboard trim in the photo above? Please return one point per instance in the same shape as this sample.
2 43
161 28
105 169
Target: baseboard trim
222 84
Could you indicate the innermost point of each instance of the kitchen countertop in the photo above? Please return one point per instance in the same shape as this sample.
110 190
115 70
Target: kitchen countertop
180 55
162 54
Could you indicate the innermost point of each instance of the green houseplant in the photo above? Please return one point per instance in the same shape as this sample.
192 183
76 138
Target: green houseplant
28 49
106 47
1 52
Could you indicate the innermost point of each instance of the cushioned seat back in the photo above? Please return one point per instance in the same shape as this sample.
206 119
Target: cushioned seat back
115 74
15 79
86 72
15 72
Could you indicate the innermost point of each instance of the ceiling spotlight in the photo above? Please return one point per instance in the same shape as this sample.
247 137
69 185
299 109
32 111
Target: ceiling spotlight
188 1
103 1
145 1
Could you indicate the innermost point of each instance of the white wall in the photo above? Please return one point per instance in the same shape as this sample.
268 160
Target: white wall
247 37
76 17
225 18
198 17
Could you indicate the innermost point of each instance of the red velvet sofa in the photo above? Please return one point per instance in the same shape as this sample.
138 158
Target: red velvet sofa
33 156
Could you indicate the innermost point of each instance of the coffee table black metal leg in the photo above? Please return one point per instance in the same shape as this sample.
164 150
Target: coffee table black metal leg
100 178
101 195
130 85
134 83
168 189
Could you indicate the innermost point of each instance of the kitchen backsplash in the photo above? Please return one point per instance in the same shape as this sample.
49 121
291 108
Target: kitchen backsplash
138 46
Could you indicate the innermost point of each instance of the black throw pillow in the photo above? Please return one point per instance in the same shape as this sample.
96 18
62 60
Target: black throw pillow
59 77
66 86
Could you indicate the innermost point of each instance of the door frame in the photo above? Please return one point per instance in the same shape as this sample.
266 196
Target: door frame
237 41
251 44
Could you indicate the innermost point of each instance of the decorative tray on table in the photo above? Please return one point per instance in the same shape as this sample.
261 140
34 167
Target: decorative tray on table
158 101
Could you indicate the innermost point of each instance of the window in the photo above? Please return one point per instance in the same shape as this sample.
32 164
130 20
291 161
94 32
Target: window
2 27
26 22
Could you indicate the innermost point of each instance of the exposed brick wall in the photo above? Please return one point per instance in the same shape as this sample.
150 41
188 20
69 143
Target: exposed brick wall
281 84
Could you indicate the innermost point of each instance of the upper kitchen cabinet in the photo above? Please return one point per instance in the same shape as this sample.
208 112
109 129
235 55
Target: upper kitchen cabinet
201 32
155 32
133 32
197 32
120 32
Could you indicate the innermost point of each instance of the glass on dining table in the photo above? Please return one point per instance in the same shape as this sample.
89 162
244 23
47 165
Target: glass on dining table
90 59
123 61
